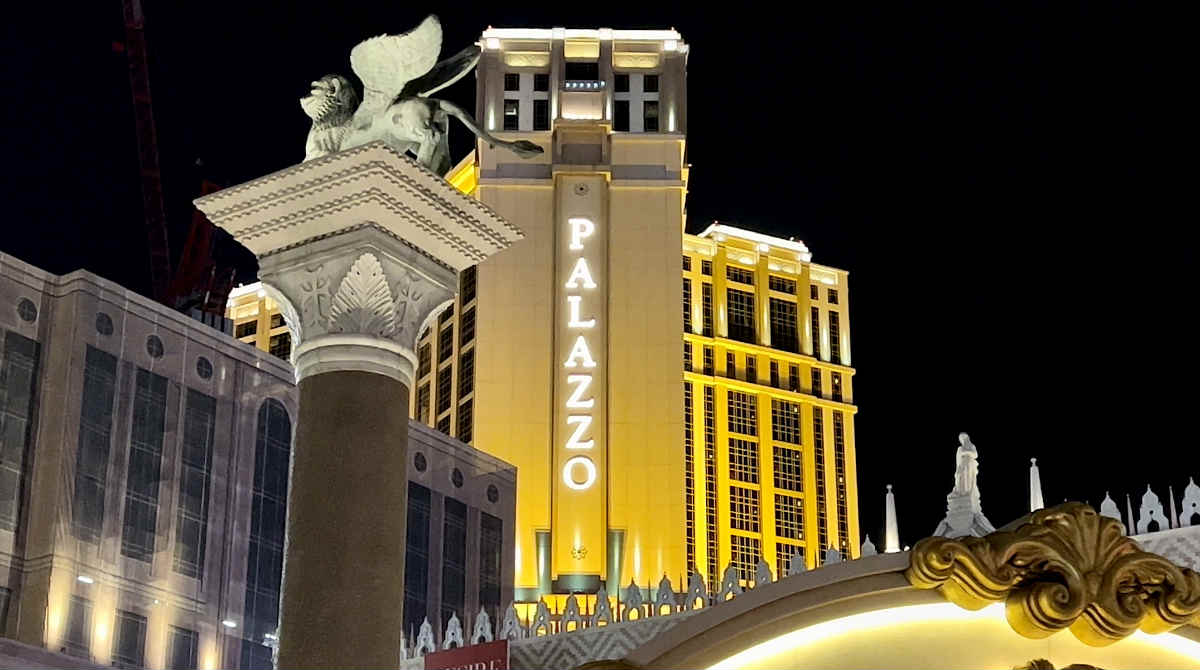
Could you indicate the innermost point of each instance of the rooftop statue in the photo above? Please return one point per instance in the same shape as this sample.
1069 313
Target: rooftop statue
398 72
964 511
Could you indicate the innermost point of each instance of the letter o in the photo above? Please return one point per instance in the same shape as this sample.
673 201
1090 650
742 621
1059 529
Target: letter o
589 468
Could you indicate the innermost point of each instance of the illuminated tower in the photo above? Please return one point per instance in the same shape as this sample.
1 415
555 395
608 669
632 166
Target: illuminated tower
576 355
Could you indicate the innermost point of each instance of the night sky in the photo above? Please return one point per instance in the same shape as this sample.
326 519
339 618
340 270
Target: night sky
1006 187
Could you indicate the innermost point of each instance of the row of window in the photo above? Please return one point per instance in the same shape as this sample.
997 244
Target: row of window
129 638
793 385
579 71
774 282
621 115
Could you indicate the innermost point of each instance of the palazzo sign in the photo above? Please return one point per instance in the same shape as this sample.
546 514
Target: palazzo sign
579 471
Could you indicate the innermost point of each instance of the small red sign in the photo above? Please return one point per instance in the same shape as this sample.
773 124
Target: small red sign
487 656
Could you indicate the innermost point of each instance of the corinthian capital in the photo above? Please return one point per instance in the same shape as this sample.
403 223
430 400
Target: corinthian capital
358 248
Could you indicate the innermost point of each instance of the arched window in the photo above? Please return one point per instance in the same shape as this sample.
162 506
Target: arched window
264 567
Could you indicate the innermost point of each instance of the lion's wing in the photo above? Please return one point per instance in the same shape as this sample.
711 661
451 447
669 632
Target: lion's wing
388 62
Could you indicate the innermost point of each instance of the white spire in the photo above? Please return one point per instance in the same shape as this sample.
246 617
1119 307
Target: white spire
1173 520
868 548
1035 487
1108 508
1151 511
891 531
1191 503
1131 527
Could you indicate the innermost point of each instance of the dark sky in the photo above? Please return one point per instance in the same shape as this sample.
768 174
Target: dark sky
1005 185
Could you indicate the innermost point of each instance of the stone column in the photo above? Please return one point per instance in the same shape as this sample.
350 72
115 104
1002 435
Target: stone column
359 249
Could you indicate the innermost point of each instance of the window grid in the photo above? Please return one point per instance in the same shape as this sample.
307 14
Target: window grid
730 365
466 373
743 554
819 457
465 422
687 263
839 464
687 356
687 304
740 275
785 421
789 517
751 369
743 415
743 460
423 403
425 358
781 284
774 374
815 374
784 552
191 517
466 327
813 292
264 565
443 389
491 545
835 379
789 468
445 344
18 381
183 649
706 268
280 346
454 559
95 438
785 335
740 308
145 464
467 283
78 637
794 378
832 295
416 561
709 363
743 509
835 338
706 304
129 644
710 485
814 327
689 479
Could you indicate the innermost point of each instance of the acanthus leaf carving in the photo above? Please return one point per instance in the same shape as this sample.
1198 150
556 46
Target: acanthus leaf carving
363 302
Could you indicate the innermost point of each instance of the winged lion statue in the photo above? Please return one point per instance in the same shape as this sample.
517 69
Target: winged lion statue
399 73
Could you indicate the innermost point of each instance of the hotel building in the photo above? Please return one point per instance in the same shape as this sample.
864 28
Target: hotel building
563 355
144 461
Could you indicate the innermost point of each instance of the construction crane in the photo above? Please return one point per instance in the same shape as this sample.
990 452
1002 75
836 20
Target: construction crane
198 283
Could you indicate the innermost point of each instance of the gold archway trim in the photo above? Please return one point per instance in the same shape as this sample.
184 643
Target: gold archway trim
1067 567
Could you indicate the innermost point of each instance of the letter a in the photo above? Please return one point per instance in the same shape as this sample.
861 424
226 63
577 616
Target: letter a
580 273
580 351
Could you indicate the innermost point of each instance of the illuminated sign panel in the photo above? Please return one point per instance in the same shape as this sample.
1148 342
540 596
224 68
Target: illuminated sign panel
580 448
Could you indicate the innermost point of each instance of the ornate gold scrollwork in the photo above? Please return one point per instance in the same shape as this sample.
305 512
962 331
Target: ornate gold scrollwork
1067 567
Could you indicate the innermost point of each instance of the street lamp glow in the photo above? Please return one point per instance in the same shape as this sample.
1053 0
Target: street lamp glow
229 623
85 579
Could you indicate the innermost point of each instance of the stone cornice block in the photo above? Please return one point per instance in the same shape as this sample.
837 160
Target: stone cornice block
371 183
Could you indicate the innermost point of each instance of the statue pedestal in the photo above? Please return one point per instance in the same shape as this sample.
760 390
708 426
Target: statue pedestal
359 248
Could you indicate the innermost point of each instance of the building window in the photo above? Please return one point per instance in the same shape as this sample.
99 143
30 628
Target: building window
789 468
743 415
650 83
789 517
512 81
706 268
689 478
835 379
454 559
819 458
751 369
816 382
706 308
743 509
813 292
781 284
184 644
794 378
425 358
464 421
621 83
104 324
784 332
245 329
621 116
832 295
743 554
650 116
687 263
467 283
687 305
743 460
708 361
583 70
416 557
27 310
154 346
191 514
814 330
541 81
204 368
18 382
784 555
466 373
277 321
491 544
740 307
444 382
687 356
445 343
145 466
785 421
835 338
5 600
443 425
710 485
95 431
280 346
512 114
423 403
730 365
466 327
541 115
129 646
774 374
839 470
268 509
735 273
78 638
